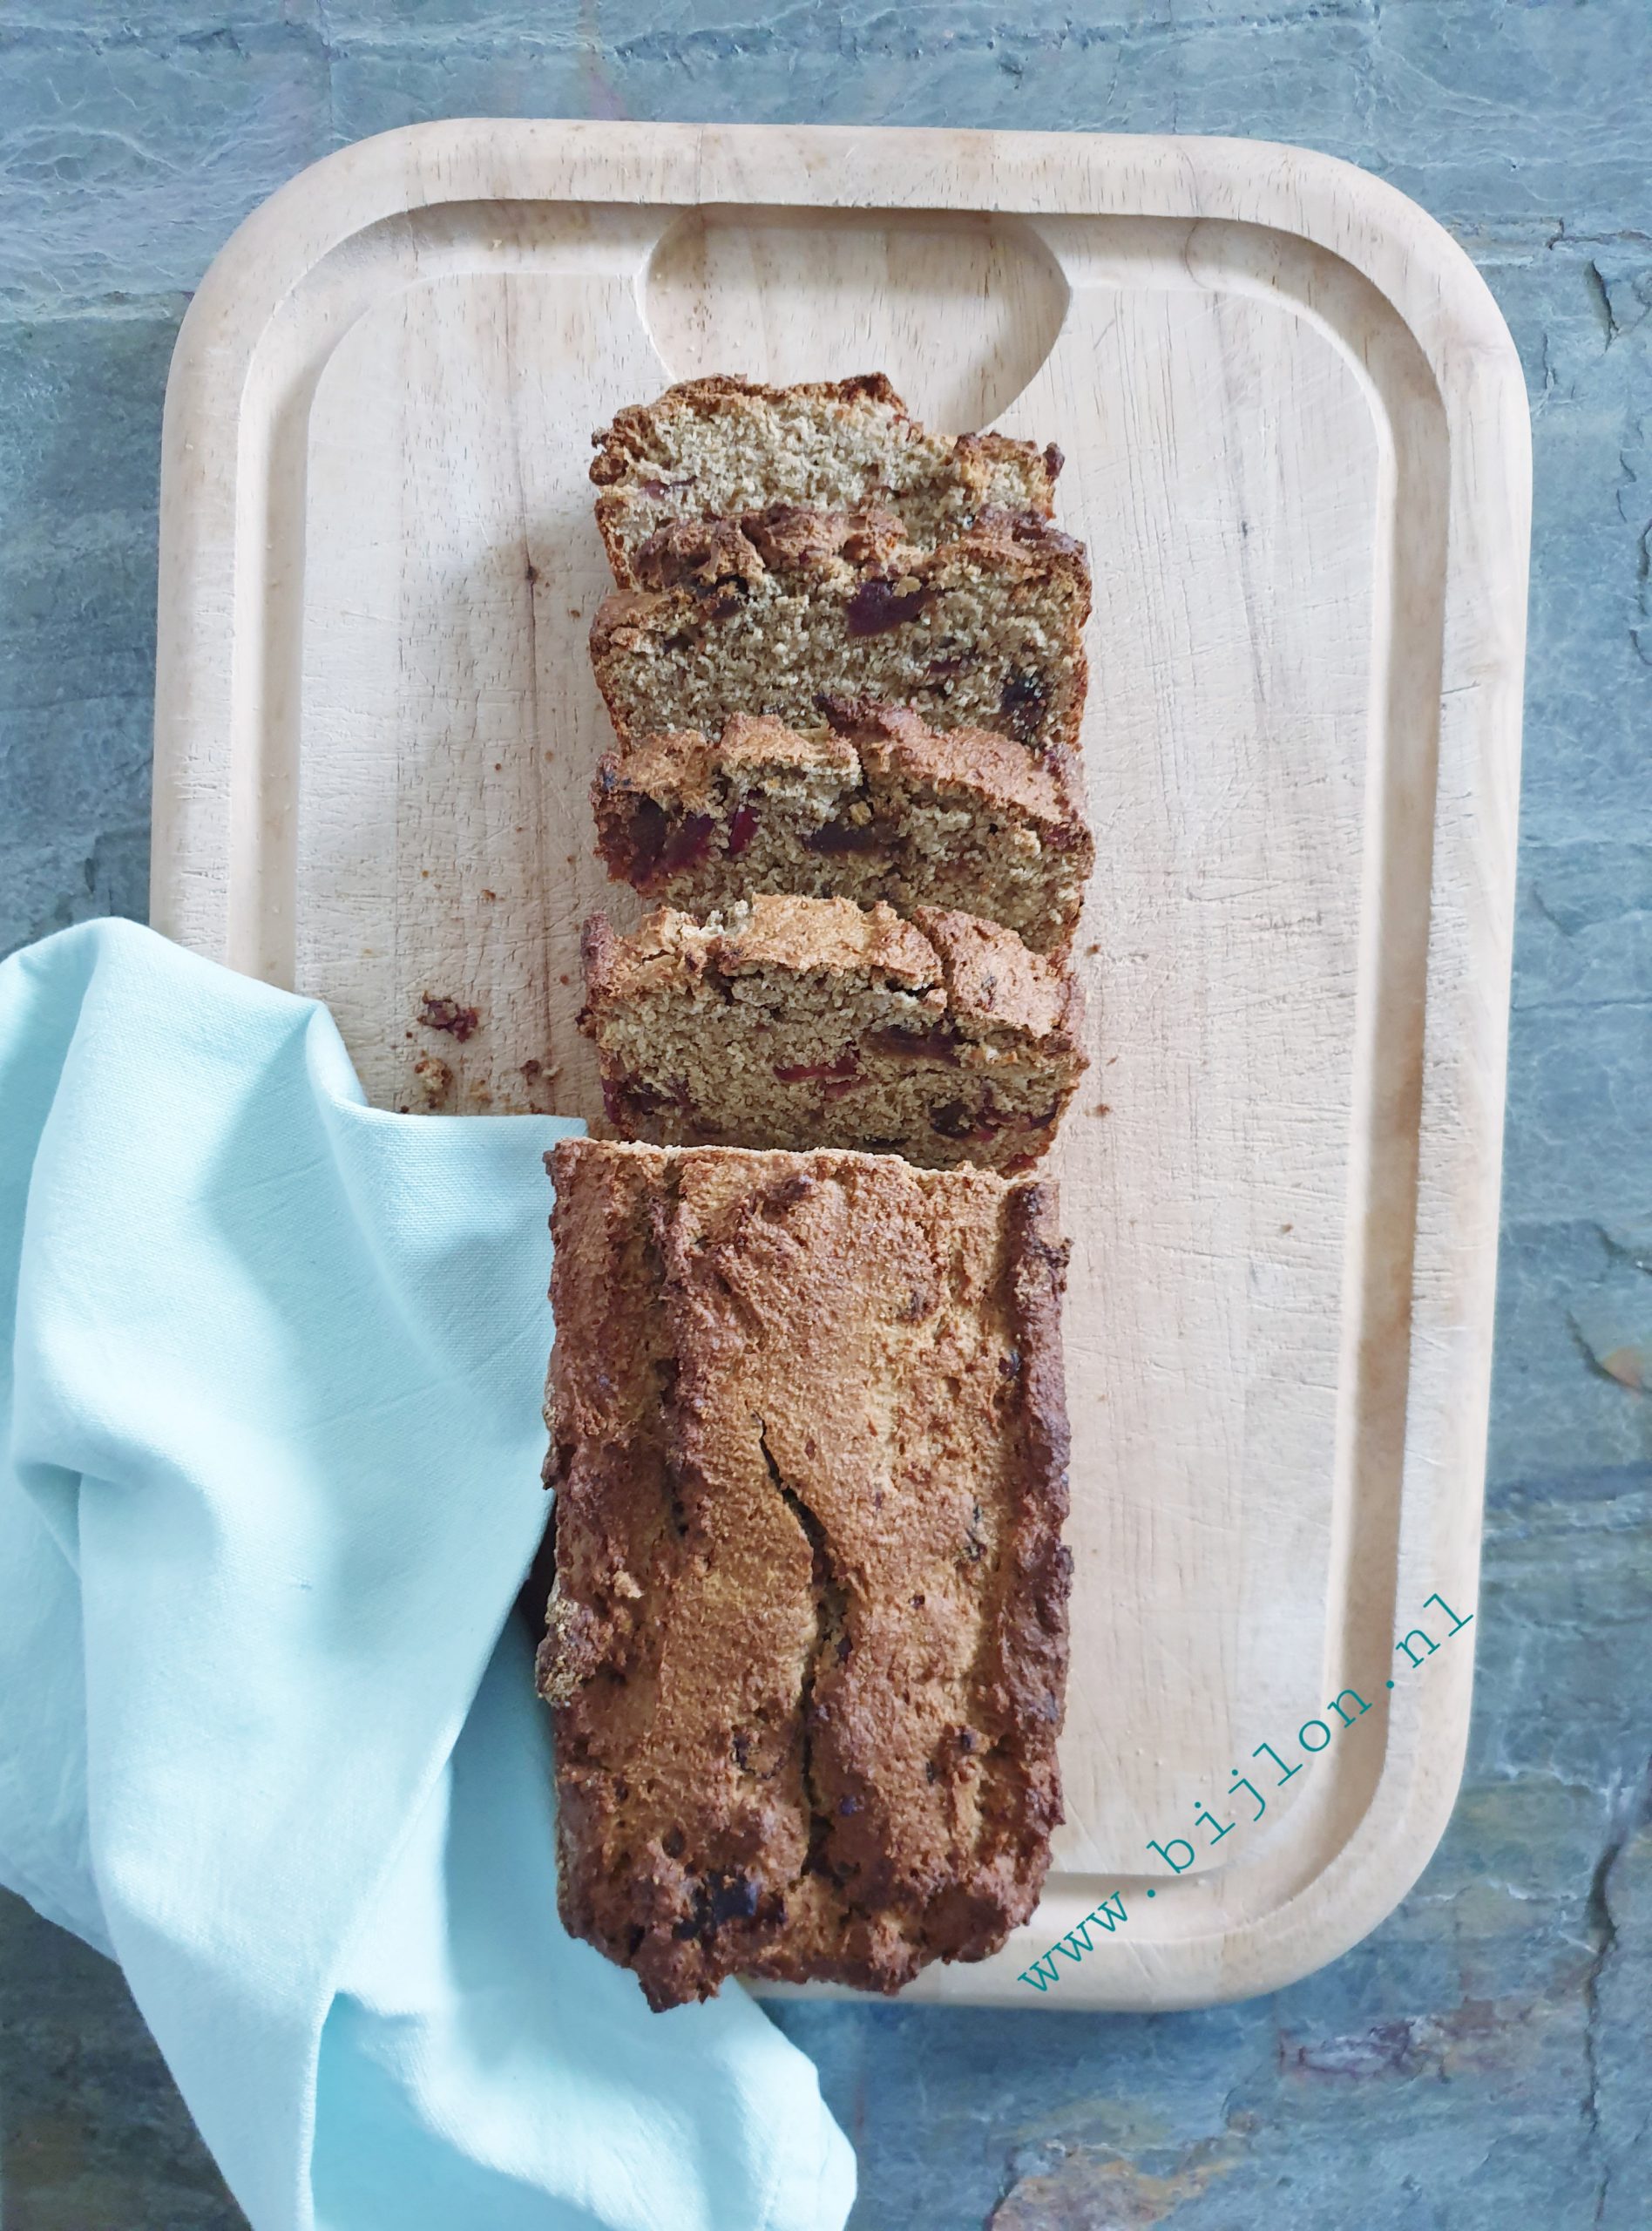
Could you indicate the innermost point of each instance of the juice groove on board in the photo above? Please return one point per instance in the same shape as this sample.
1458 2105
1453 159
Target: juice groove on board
1294 437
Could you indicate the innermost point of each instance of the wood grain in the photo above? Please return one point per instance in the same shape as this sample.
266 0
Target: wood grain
1296 448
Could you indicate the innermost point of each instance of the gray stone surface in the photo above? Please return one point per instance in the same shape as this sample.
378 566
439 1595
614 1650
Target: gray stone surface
93 2136
1484 2058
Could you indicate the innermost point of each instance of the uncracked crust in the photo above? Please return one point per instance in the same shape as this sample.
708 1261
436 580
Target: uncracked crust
806 1652
710 447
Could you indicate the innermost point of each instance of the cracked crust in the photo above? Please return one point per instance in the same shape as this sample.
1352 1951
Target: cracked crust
783 611
875 804
807 1647
711 447
814 1022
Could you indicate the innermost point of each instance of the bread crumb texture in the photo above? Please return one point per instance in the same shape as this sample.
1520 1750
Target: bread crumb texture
872 805
804 1022
710 447
783 610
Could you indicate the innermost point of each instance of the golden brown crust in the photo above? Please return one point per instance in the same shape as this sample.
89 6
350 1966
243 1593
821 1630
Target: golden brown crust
712 555
807 1647
789 538
608 961
679 764
991 977
794 539
620 618
1005 772
679 767
793 935
749 738
800 935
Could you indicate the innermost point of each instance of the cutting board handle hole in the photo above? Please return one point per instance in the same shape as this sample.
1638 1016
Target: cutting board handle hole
959 310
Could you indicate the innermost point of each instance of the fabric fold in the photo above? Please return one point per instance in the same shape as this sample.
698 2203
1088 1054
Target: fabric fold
270 1488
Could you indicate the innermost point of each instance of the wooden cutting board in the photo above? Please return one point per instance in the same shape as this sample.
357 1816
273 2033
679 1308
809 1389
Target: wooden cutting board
1297 449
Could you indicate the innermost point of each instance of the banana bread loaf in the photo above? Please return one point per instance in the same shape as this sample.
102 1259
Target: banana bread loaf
711 447
814 1022
876 805
780 611
806 1649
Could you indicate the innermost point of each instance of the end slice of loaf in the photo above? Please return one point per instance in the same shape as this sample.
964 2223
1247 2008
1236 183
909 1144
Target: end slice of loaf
807 1646
783 611
814 1022
878 806
714 447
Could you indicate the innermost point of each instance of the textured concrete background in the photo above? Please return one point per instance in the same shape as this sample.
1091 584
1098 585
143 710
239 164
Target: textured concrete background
1483 2059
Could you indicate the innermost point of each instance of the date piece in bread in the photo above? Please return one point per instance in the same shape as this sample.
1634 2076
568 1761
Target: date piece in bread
806 1649
716 447
876 805
786 610
814 1022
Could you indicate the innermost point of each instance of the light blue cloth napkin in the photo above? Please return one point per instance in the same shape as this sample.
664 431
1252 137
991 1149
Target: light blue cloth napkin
268 1734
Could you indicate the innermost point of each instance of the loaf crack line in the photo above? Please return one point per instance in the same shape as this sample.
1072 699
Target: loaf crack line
831 1609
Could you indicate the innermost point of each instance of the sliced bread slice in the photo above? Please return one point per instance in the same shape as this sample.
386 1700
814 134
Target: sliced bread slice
783 611
711 447
814 1022
876 805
